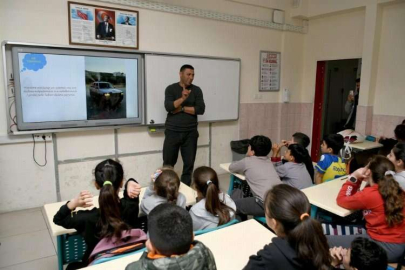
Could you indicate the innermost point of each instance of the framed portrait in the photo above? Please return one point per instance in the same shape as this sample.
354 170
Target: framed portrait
270 66
103 26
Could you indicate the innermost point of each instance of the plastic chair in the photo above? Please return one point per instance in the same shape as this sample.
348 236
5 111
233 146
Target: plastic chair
199 232
103 260
71 248
261 220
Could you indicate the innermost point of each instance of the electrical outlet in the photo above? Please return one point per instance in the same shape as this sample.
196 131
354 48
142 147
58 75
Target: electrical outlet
42 137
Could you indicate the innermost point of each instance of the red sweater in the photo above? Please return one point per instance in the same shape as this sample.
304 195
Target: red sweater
371 202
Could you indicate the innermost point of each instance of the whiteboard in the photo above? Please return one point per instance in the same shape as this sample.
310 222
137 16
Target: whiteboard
218 79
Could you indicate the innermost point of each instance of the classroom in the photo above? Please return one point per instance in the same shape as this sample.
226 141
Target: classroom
44 168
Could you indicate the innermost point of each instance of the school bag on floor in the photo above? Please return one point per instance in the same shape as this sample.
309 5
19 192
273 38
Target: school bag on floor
130 241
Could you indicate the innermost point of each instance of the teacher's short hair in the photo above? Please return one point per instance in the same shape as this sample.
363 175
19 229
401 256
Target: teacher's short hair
170 229
184 67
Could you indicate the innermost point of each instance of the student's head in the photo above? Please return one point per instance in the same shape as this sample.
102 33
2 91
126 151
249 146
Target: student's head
187 75
365 254
170 230
167 185
259 146
205 181
399 132
358 83
381 171
301 138
332 144
296 153
397 156
109 179
287 213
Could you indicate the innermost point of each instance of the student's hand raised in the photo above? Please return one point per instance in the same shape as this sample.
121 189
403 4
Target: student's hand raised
133 189
337 255
84 199
155 175
276 147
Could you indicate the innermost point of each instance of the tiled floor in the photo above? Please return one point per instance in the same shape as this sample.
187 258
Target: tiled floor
26 244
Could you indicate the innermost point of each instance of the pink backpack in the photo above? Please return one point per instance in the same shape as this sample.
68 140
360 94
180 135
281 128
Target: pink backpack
130 241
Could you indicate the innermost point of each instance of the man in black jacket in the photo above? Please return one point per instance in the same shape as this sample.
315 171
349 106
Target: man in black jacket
183 102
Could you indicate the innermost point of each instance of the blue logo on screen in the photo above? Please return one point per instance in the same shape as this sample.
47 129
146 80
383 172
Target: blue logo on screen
33 61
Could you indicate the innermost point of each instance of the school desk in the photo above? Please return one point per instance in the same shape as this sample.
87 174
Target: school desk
324 196
60 232
231 246
366 145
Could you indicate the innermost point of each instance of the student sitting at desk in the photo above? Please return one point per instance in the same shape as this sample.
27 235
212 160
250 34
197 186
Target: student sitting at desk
300 242
303 140
363 254
114 216
382 202
330 166
214 208
388 143
164 188
293 172
260 175
170 245
397 157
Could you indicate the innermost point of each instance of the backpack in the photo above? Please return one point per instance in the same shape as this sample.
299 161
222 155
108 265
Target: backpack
130 241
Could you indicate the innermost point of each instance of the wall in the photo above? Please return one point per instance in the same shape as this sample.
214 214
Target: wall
139 152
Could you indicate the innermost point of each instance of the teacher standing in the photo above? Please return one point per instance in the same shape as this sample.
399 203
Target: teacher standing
183 102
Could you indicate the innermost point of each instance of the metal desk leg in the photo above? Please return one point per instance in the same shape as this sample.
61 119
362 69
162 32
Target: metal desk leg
59 243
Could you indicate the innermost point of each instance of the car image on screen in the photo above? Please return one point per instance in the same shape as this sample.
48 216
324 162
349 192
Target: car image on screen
105 95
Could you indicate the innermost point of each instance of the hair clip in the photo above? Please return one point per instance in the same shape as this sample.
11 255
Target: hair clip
107 183
209 182
389 173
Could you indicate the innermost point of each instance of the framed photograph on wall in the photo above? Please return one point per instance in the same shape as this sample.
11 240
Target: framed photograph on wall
103 26
270 66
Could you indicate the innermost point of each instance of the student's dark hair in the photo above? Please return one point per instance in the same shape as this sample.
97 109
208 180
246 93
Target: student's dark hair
167 185
286 205
357 80
170 229
261 145
184 67
301 139
399 151
403 122
211 191
334 141
366 254
110 215
399 132
389 189
301 155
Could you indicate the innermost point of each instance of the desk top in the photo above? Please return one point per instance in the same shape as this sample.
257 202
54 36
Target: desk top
366 145
52 208
324 196
225 166
231 249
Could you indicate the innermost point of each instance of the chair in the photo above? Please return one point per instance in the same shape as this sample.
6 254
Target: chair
199 232
71 248
103 260
261 220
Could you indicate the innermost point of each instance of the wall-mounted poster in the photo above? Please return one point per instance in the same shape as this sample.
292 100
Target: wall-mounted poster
270 63
103 26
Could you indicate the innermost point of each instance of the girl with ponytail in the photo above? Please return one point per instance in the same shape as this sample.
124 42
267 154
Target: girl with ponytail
294 171
300 242
382 202
164 188
113 216
214 208
397 157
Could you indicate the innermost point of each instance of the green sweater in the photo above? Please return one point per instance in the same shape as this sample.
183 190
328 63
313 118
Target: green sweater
197 258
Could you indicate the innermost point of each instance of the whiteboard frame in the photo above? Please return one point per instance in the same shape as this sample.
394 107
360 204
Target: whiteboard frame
191 56
5 49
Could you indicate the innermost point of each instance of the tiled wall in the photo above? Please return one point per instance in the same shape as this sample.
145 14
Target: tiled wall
276 120
374 124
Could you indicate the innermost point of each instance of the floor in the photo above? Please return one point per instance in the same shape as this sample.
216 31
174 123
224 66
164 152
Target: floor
25 242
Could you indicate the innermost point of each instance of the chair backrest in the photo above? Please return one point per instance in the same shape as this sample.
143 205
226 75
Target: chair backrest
199 232
107 259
